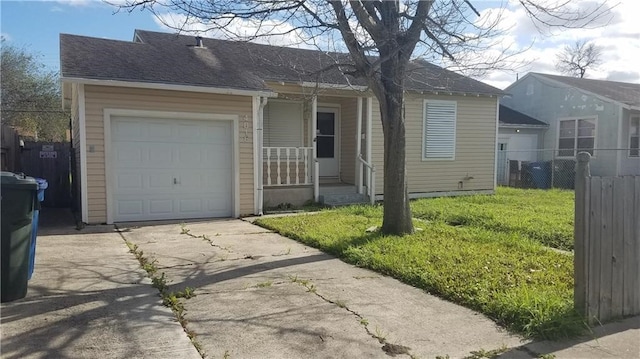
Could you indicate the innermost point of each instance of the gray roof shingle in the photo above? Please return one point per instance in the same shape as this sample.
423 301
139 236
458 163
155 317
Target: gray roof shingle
509 116
173 59
623 92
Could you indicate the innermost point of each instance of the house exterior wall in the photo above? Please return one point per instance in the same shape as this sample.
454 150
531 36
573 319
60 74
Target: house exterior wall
474 149
348 138
628 165
550 102
98 98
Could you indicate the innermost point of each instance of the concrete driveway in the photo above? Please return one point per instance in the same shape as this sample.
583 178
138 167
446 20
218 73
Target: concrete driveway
258 295
88 298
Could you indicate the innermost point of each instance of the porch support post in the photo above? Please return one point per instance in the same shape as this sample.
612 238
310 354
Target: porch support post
314 145
368 138
258 115
359 146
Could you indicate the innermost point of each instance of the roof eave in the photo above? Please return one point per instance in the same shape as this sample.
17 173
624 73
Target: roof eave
459 93
173 87
513 125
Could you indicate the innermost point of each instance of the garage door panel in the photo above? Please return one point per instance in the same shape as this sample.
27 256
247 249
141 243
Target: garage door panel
125 154
161 206
129 181
127 130
171 169
157 131
129 207
159 155
160 181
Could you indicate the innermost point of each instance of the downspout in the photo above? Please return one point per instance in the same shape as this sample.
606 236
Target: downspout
259 136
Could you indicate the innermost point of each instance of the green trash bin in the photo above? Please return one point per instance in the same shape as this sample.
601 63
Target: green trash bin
18 197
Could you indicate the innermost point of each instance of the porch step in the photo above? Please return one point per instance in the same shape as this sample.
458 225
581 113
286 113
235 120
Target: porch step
343 199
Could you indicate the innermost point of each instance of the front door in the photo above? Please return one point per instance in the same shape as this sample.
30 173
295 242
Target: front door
327 142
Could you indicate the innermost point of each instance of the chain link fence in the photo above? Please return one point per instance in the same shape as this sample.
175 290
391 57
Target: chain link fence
552 168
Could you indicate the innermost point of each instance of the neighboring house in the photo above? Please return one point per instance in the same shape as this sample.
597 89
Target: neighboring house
519 138
601 117
170 127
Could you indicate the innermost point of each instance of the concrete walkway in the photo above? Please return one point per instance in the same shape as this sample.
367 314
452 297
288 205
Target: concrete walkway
258 295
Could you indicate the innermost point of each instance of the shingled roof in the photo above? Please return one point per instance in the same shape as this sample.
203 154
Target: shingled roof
165 58
623 92
512 117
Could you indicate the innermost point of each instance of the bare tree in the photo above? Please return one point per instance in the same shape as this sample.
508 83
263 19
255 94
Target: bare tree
381 37
575 59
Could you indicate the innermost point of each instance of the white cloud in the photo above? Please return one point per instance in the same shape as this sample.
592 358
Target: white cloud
5 36
619 39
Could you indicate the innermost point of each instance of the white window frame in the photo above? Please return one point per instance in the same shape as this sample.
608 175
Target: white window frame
575 143
631 119
424 130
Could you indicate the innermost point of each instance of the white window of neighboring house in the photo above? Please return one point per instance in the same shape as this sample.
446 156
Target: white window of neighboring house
576 135
439 130
634 136
283 126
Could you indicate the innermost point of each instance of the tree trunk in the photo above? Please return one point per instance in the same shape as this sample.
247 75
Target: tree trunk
397 213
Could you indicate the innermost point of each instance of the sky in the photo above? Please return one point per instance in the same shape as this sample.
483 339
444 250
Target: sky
36 25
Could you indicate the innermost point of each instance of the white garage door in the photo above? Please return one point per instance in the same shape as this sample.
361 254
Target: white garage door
170 169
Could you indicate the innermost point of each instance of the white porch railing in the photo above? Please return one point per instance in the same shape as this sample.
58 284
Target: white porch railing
288 166
371 179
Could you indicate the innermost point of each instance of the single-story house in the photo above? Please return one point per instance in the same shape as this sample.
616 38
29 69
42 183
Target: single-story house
519 138
172 126
601 117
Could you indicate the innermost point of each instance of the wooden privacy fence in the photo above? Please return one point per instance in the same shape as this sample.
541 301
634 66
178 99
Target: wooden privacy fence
50 160
607 244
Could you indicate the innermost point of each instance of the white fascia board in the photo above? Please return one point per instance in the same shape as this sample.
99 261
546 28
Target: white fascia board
534 127
171 87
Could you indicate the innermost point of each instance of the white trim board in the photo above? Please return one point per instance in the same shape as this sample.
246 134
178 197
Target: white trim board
170 87
84 187
110 112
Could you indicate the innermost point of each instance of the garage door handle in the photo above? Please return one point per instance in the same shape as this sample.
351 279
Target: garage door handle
175 181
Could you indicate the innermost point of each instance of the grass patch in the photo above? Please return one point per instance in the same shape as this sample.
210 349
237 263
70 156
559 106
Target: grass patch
545 216
506 274
169 299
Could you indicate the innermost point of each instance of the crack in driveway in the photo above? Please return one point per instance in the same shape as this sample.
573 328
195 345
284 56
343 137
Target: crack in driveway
389 348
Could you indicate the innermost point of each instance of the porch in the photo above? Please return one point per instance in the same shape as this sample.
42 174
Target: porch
315 148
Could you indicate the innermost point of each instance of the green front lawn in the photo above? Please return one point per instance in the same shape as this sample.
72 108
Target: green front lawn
543 216
492 264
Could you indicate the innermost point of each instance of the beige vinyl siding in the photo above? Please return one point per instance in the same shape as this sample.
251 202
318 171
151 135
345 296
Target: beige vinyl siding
474 154
98 98
348 121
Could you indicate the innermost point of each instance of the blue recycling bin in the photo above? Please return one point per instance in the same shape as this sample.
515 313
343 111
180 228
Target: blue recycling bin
42 185
541 174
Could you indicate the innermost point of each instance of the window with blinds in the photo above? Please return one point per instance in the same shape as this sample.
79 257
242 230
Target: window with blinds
283 124
439 130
